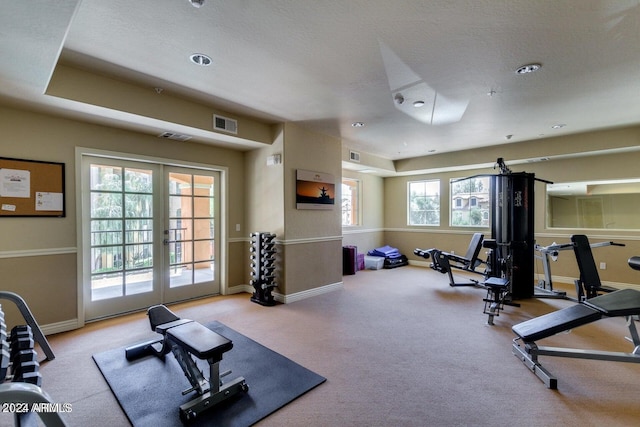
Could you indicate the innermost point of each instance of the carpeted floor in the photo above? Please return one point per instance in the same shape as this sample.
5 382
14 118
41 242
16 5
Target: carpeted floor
149 389
398 348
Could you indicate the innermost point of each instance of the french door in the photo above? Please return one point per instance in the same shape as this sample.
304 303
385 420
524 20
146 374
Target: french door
148 235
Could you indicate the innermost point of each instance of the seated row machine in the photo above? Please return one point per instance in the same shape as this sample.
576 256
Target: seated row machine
186 338
623 302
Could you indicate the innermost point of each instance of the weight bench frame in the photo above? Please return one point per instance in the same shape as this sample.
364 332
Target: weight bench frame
624 302
186 338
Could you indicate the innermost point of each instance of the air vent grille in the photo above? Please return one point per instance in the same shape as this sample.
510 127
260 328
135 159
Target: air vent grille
225 124
174 136
354 156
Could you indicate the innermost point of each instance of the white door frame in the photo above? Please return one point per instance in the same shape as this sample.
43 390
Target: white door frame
80 152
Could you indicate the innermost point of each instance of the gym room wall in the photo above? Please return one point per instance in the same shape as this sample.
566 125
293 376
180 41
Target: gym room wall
580 167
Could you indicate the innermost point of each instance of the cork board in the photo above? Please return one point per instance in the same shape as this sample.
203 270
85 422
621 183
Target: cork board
31 188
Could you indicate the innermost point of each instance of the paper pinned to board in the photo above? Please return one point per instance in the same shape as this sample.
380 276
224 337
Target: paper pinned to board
47 201
15 183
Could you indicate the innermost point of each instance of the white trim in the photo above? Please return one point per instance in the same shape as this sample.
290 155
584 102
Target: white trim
56 328
37 252
310 240
357 230
81 152
469 231
298 296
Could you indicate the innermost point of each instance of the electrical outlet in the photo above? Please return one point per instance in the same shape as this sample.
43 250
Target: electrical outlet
603 266
237 227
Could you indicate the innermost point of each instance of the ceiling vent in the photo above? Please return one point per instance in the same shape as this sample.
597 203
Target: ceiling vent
354 156
174 136
225 124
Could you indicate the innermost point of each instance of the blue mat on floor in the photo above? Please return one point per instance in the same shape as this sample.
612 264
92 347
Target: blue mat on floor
150 390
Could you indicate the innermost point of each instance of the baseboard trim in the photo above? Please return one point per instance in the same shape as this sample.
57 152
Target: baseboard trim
58 327
298 296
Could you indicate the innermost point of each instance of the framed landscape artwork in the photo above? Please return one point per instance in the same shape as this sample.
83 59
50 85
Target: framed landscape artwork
315 190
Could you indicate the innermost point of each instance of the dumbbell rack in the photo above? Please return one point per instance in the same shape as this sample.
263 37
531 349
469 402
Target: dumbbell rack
263 267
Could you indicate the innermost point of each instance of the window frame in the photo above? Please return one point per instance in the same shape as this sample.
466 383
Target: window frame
436 197
355 212
458 208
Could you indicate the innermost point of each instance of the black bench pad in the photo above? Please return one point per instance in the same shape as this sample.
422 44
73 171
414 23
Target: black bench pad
623 302
555 322
200 341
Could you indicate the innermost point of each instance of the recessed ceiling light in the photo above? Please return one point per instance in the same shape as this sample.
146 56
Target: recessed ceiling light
200 59
418 104
558 126
357 124
529 68
196 3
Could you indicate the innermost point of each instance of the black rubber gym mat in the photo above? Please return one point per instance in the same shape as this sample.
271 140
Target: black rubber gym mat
149 390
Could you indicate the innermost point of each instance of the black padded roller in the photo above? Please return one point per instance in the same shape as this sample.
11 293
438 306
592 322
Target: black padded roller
634 262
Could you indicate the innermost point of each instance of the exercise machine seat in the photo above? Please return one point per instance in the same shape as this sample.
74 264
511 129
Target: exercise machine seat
200 341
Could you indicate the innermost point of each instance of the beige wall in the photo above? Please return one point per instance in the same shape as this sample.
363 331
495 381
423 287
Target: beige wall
38 255
609 166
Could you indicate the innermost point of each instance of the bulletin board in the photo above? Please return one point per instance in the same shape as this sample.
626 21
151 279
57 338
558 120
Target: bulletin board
31 188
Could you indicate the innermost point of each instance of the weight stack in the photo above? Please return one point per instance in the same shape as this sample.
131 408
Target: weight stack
263 259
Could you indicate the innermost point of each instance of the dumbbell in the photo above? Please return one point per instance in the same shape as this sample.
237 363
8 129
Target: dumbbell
25 367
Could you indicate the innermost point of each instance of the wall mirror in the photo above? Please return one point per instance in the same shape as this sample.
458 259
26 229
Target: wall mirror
613 204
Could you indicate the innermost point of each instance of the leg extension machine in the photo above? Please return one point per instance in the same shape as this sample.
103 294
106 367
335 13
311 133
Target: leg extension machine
186 338
445 261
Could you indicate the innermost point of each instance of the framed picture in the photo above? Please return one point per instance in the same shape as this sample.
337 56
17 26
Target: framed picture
315 190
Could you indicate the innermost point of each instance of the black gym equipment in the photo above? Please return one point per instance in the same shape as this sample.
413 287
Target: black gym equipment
186 338
623 302
263 258
444 261
509 274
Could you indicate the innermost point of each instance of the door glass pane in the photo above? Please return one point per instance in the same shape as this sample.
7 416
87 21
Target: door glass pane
179 229
139 281
121 250
180 275
137 181
191 211
180 183
203 228
138 205
106 205
105 286
139 230
203 272
203 250
106 178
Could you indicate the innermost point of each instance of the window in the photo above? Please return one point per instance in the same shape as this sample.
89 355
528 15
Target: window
470 202
350 202
424 202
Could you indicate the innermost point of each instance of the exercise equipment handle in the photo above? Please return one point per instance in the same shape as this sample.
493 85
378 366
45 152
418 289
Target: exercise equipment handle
634 262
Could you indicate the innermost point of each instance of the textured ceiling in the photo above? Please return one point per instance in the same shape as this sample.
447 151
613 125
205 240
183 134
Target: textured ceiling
327 64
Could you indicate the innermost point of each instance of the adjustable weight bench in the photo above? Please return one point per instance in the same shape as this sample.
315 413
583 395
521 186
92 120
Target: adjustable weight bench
623 302
186 338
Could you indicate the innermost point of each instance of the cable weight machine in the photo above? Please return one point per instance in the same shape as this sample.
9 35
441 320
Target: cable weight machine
512 241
